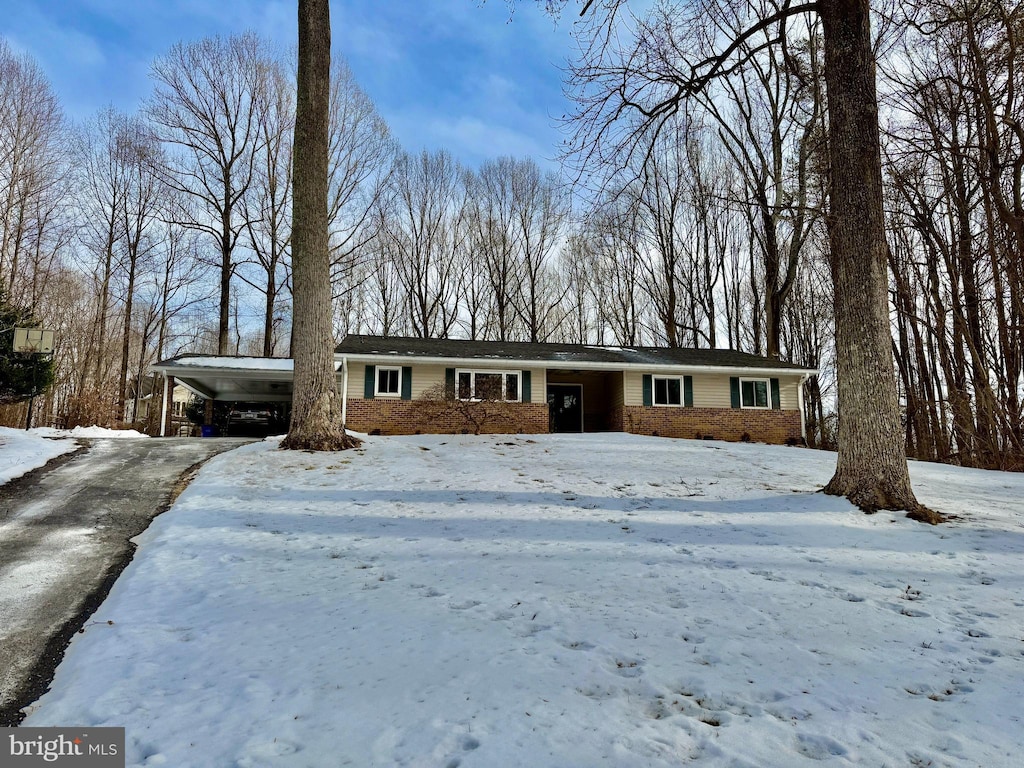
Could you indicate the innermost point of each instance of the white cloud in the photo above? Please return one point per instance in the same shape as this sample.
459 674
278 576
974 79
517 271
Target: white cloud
476 140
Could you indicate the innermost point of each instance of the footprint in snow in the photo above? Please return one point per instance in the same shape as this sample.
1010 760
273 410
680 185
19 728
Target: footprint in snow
627 667
911 612
465 605
819 747
530 629
578 645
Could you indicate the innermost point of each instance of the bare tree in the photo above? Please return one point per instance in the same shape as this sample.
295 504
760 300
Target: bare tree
425 233
267 202
206 107
626 95
139 216
444 409
954 160
540 213
32 176
104 163
616 266
362 154
315 423
492 244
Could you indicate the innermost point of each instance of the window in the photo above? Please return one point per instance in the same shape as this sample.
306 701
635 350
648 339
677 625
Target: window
754 393
512 387
389 382
668 391
488 385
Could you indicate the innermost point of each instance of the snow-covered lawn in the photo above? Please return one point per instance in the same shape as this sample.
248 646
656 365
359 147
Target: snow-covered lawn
92 431
22 451
597 600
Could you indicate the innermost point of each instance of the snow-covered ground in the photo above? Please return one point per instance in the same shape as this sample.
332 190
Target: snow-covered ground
22 451
93 432
591 600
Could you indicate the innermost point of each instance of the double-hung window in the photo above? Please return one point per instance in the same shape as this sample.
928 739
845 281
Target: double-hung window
755 393
668 390
488 385
389 382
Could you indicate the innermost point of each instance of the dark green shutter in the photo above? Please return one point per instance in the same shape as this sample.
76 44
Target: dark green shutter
776 400
527 387
406 382
688 391
368 387
734 390
449 383
648 389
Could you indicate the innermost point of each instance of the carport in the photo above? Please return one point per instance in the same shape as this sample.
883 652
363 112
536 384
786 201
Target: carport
218 379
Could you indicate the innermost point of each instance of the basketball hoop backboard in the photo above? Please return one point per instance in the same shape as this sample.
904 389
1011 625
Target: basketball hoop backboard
33 340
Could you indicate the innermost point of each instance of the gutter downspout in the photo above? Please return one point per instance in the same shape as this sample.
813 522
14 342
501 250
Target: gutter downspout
163 410
344 393
800 400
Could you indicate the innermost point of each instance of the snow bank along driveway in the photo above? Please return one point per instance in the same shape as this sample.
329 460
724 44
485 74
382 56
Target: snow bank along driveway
22 451
599 600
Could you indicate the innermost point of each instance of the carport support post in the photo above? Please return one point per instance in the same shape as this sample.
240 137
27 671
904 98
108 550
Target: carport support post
208 413
344 392
164 410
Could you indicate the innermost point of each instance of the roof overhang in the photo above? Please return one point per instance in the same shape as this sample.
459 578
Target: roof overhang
572 365
250 385
261 384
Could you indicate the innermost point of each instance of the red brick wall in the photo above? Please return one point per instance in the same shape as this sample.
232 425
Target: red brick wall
410 417
720 423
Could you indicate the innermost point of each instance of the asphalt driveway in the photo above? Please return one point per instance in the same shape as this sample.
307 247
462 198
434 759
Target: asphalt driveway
65 536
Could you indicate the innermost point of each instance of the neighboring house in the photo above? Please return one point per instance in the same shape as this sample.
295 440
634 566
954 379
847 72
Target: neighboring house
692 393
149 398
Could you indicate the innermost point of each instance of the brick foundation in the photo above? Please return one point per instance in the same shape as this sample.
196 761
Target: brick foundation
719 423
411 417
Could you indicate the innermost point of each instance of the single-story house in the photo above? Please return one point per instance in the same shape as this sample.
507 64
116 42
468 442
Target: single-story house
397 385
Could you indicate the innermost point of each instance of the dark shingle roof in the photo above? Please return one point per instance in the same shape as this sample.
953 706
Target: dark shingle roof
561 354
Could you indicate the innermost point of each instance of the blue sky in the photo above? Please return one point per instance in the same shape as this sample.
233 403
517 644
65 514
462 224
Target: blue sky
444 73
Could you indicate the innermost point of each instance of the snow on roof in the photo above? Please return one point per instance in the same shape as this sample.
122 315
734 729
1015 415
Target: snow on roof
248 363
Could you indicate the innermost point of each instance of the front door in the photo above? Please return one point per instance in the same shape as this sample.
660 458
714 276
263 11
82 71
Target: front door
565 407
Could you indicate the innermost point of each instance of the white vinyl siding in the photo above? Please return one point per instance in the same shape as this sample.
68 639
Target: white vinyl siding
710 390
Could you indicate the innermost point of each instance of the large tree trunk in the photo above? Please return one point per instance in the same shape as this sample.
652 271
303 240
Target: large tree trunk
872 468
315 423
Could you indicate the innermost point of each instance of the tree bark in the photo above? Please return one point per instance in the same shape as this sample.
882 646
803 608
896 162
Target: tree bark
872 469
315 422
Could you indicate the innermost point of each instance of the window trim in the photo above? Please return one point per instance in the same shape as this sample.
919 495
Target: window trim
768 394
654 391
376 381
504 384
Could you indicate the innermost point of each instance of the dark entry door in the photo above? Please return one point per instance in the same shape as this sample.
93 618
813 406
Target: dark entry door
565 407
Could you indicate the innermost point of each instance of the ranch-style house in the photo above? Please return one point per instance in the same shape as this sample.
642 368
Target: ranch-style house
394 386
